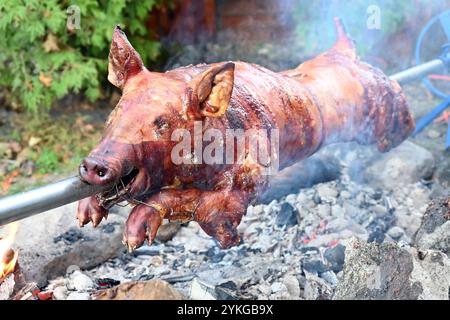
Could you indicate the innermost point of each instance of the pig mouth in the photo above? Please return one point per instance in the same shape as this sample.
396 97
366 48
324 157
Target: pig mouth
120 191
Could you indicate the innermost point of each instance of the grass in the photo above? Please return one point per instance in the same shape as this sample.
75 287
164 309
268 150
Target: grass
50 146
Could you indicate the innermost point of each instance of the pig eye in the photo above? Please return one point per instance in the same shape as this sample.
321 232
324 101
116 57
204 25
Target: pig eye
160 123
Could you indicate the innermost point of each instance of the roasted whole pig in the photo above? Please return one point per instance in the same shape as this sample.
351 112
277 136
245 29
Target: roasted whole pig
334 97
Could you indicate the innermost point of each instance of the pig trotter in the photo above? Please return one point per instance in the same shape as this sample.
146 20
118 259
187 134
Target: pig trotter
219 214
89 209
143 223
223 229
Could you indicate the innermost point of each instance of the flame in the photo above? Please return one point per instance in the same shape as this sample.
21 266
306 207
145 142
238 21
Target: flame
6 263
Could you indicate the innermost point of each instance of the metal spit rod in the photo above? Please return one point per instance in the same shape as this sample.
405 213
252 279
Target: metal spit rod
26 204
419 71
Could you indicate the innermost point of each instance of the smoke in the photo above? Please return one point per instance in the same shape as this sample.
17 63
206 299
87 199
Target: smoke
385 31
280 34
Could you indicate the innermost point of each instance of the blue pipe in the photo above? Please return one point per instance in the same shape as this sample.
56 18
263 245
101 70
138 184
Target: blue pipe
429 117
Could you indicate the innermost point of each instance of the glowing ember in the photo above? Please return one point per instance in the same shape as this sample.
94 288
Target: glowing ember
8 258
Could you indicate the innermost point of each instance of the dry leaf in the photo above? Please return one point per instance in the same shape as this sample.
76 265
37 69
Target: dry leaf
51 43
89 128
9 180
46 80
34 141
15 147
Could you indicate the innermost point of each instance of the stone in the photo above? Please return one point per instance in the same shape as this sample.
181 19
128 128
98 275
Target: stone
72 268
395 232
167 231
316 288
335 256
433 134
434 230
323 210
7 285
337 211
325 239
345 194
60 293
409 223
277 286
248 228
254 269
227 291
201 290
287 216
330 277
350 209
302 198
292 285
193 239
52 241
407 163
388 271
442 176
258 210
337 224
317 199
378 226
314 266
81 282
379 210
264 289
326 192
78 296
291 198
155 289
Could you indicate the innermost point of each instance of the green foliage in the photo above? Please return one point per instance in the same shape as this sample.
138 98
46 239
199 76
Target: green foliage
42 59
47 161
58 148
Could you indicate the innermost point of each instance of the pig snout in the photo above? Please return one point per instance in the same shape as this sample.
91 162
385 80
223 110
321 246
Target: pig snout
98 172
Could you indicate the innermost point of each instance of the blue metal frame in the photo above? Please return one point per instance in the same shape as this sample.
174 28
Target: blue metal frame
429 117
444 20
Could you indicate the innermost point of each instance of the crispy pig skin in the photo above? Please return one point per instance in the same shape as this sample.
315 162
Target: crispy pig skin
334 97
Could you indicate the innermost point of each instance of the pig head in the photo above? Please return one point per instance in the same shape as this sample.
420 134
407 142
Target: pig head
334 97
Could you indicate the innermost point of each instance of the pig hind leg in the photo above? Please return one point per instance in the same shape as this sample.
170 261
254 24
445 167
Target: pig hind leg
145 219
142 223
217 212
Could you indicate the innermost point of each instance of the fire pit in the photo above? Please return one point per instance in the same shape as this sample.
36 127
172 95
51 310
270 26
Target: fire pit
8 256
11 278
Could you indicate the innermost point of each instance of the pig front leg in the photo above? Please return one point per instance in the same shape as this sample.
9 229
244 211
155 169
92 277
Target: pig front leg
90 210
218 213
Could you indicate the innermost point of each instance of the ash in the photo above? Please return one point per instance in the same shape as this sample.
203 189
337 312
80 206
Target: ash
295 247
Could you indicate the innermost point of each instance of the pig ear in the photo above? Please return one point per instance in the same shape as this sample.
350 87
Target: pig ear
124 61
344 43
213 89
